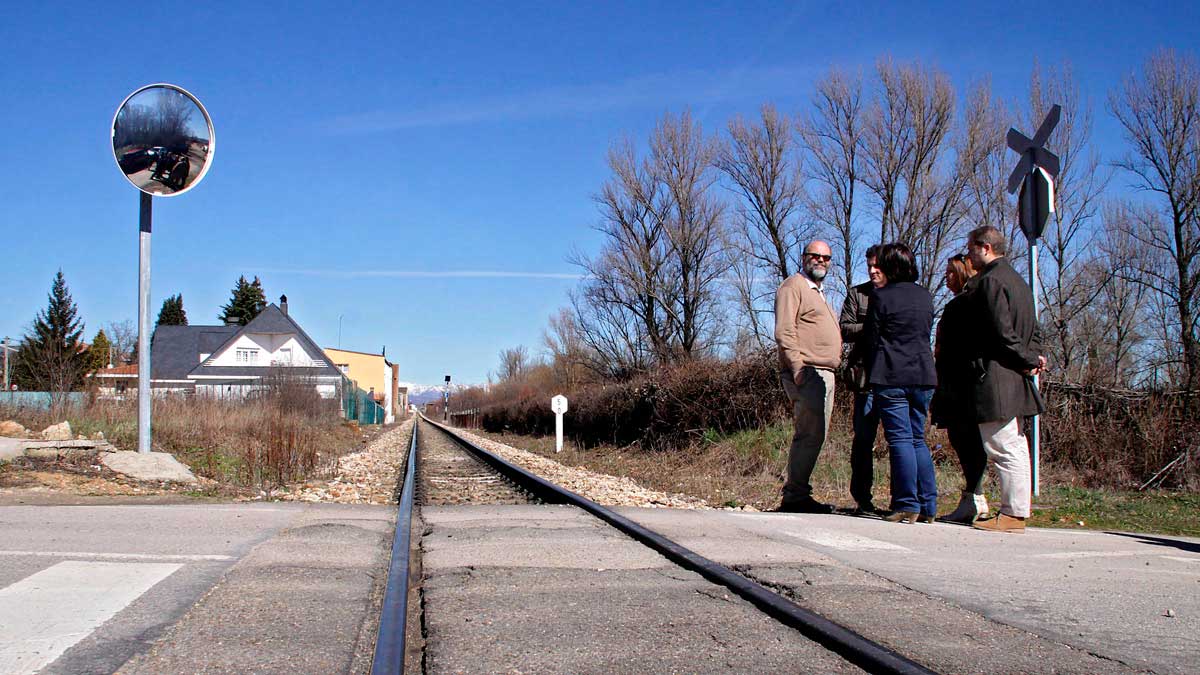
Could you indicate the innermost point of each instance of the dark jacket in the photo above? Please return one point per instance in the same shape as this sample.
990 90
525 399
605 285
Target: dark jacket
854 316
1007 343
899 321
953 353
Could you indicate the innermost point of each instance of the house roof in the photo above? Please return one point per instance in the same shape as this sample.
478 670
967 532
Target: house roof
176 350
270 321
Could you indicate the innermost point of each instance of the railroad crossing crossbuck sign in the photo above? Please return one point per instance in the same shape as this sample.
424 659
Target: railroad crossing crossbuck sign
1035 175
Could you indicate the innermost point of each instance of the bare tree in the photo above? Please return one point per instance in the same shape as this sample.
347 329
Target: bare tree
123 337
907 160
681 158
832 137
653 286
514 362
762 244
1160 112
565 345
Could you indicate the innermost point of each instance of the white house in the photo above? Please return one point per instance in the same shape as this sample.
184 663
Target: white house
231 361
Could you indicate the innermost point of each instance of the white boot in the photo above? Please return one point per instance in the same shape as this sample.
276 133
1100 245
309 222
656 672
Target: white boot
967 510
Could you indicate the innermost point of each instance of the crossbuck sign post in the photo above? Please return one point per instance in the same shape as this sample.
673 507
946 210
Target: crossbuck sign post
1034 174
558 405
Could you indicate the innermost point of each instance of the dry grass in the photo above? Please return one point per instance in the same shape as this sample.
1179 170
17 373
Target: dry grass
741 469
260 443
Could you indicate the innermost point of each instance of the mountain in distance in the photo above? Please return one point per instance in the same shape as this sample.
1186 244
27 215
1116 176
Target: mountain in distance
426 393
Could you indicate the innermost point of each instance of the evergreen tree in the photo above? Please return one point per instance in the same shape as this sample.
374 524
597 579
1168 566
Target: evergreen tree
172 313
97 355
247 301
51 358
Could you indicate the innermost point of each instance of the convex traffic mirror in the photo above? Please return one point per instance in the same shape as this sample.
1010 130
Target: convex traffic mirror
163 140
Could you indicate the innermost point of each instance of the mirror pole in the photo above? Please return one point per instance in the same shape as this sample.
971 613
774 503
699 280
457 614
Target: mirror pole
144 323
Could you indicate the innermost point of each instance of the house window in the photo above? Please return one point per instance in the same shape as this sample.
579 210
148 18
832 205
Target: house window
344 367
247 356
284 357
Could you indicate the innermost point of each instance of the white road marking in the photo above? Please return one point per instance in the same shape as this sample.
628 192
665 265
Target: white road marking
1180 558
88 555
1067 555
844 541
46 613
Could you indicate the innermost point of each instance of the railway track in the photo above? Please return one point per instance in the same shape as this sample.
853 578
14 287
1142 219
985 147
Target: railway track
444 469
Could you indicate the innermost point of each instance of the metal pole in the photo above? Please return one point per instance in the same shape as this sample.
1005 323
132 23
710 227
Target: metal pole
1037 441
144 324
5 363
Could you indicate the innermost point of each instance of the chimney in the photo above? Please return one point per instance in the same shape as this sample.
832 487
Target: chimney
283 304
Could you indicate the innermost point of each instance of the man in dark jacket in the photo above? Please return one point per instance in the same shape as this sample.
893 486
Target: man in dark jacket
866 418
1007 354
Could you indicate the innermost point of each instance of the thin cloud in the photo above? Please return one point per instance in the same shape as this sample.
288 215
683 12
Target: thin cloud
694 87
421 274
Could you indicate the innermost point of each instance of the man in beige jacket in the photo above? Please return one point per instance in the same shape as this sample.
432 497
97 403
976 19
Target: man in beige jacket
810 348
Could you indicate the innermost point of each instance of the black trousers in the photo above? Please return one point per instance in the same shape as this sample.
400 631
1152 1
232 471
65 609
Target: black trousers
968 445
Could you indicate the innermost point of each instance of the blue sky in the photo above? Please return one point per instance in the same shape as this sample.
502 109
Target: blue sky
424 172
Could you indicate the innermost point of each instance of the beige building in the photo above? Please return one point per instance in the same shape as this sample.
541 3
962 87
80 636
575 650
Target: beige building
373 373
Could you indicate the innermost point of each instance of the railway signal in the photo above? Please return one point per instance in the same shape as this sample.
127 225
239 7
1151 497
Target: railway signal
1034 175
163 142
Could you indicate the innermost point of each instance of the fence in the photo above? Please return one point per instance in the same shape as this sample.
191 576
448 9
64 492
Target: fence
39 400
358 405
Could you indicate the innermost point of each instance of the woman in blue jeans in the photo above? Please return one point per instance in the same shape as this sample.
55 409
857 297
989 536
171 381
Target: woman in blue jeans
902 378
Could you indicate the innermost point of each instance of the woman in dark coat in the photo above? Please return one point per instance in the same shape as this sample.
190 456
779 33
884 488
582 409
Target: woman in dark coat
951 407
902 377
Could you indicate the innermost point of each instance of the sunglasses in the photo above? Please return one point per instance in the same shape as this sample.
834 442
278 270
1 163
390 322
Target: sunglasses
818 257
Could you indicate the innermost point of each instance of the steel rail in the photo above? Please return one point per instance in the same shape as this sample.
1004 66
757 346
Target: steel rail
393 616
855 648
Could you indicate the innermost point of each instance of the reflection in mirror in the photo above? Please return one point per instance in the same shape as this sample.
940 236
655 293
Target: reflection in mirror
162 140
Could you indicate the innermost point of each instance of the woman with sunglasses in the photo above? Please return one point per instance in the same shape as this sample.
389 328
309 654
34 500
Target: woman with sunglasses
902 377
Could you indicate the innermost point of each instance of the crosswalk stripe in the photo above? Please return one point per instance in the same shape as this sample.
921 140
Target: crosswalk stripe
44 614
844 541
88 555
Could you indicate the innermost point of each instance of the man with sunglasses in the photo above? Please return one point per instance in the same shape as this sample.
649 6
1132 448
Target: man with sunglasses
810 348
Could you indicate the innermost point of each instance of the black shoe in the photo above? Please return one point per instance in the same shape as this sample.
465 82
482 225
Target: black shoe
808 505
868 509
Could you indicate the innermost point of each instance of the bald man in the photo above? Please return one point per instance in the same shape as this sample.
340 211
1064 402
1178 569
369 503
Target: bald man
810 348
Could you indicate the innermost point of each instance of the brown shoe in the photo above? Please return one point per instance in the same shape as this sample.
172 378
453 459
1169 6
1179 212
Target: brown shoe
1001 523
901 517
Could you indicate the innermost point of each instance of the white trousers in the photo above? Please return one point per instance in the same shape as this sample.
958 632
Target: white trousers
1008 450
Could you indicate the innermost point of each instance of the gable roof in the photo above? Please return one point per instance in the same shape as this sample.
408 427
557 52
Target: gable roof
270 321
176 350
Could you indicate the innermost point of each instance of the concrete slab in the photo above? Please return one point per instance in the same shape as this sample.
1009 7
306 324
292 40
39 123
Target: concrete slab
11 447
1089 593
148 466
301 602
551 589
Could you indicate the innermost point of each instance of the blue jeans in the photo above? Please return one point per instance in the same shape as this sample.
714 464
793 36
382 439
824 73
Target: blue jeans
902 411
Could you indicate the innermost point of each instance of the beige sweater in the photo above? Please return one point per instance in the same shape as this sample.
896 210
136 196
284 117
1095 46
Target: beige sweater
805 328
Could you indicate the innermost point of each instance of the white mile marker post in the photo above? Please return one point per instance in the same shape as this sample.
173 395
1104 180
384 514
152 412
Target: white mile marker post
558 404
